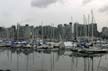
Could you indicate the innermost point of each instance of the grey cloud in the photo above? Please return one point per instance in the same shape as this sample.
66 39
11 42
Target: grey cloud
42 3
104 9
86 1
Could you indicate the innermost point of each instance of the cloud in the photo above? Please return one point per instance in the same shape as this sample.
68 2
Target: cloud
42 3
104 9
86 1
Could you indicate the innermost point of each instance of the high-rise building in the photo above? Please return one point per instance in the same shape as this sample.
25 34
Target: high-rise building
83 30
104 32
24 32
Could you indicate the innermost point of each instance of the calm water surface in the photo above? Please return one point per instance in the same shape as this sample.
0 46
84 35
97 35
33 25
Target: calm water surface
40 60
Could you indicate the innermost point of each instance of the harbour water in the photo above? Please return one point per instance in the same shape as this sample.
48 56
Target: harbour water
47 60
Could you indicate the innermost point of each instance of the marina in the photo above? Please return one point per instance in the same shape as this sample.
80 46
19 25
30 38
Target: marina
53 35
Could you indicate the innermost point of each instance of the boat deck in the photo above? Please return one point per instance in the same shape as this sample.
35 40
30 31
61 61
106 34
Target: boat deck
92 50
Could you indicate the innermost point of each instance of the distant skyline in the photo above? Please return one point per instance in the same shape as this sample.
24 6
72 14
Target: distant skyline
55 12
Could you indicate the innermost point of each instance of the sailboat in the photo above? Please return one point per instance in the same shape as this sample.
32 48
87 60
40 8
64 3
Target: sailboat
70 44
59 44
42 42
84 48
54 45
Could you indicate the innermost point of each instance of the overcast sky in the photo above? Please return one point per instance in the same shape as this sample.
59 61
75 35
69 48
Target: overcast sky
55 12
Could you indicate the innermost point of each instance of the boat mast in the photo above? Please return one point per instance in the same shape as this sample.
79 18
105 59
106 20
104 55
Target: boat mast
72 27
88 22
6 34
18 25
84 22
52 32
86 27
76 30
42 31
92 22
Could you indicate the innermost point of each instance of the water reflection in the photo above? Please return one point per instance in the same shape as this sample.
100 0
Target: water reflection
50 60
